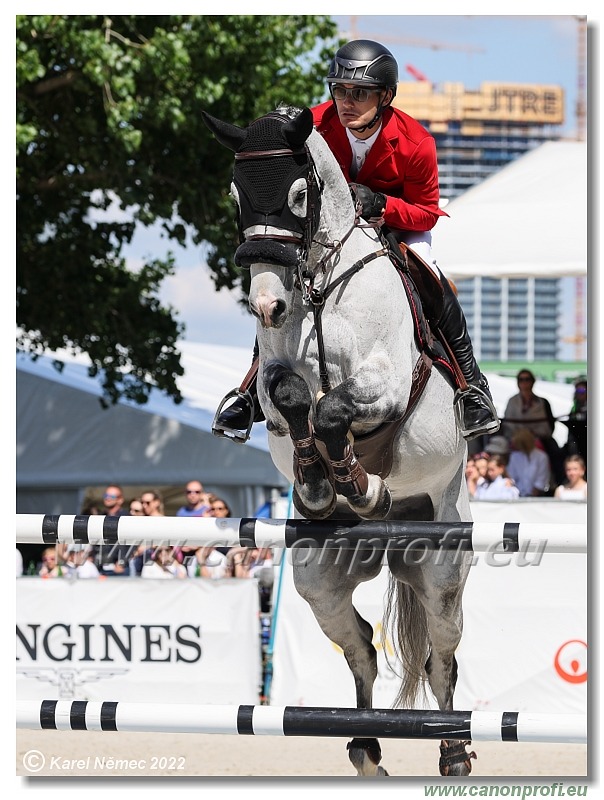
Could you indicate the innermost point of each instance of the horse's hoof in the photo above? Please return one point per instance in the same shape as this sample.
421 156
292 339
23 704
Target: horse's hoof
455 760
318 510
377 502
365 756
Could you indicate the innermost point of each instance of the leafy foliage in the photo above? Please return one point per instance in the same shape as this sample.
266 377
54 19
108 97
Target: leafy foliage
110 136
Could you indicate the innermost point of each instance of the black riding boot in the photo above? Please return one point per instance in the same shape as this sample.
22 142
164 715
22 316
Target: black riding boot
475 412
236 421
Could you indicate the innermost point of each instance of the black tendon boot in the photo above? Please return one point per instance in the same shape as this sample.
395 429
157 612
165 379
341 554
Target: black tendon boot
236 421
474 409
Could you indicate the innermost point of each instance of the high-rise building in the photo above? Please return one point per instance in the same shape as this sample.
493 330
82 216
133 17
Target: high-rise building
477 133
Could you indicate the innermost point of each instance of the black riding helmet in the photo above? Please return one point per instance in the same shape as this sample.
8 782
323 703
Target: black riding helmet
365 63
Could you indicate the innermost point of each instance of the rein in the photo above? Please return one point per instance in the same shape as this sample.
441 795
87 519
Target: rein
318 297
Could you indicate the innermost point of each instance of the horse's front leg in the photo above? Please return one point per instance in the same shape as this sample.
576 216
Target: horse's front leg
313 496
366 494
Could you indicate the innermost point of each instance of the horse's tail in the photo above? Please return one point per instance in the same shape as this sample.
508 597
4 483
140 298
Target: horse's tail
405 619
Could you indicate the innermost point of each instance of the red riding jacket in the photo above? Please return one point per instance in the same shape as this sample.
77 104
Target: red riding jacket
401 165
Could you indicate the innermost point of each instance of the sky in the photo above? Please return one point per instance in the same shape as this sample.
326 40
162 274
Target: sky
469 49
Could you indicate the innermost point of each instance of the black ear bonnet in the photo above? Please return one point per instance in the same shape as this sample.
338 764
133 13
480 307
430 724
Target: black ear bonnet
263 186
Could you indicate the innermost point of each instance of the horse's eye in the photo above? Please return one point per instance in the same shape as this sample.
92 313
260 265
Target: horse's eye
300 196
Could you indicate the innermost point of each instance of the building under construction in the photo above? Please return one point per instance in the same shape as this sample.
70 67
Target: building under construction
477 133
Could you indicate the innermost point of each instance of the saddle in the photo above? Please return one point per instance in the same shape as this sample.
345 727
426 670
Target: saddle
426 297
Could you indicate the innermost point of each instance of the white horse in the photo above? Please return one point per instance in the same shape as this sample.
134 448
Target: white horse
339 361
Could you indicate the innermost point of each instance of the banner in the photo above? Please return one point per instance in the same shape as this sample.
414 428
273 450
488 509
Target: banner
524 645
132 639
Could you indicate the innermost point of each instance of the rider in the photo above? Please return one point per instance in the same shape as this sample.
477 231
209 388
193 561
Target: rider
393 158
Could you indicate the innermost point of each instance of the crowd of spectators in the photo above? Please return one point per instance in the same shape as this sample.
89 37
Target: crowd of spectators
156 560
524 459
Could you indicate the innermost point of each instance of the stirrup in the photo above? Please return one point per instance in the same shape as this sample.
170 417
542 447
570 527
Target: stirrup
238 436
460 396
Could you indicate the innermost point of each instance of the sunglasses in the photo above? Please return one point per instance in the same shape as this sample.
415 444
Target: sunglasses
525 380
193 491
358 94
108 496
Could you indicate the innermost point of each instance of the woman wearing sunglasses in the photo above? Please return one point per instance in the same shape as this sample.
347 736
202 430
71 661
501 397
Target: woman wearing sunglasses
389 160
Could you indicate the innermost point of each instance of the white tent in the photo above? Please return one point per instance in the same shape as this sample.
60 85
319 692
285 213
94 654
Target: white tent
529 219
66 442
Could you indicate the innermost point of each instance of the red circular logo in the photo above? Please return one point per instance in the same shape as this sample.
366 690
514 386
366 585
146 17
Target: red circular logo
570 661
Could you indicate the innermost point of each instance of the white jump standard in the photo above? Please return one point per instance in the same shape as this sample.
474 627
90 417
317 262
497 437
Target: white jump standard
508 537
493 726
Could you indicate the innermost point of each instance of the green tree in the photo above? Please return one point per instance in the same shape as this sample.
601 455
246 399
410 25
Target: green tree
110 136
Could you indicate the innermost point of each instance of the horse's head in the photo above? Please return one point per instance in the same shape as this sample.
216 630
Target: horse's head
278 194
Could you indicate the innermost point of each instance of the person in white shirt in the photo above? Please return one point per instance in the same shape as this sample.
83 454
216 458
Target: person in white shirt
575 487
208 562
529 466
162 564
498 484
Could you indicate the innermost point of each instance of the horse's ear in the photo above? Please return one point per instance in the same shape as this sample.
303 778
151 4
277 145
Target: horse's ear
298 130
230 136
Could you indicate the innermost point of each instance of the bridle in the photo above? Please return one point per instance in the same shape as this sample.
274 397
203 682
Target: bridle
305 278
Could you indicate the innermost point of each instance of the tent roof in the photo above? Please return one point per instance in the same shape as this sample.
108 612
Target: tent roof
529 219
64 437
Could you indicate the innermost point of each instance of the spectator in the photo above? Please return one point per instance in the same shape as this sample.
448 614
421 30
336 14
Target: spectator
473 477
136 507
81 561
50 566
113 559
498 446
576 443
575 487
208 562
529 466
152 506
113 501
162 564
527 410
219 507
152 503
482 460
197 503
498 485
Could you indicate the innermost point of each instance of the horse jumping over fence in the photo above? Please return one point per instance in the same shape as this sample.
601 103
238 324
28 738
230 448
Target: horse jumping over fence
359 420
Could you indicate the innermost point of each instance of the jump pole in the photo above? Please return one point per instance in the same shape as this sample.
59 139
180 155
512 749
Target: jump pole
507 537
488 726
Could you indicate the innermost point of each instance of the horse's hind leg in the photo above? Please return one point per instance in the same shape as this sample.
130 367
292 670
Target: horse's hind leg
314 496
440 593
441 669
327 582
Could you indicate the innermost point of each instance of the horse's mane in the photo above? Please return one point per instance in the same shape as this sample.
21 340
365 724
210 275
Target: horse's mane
287 110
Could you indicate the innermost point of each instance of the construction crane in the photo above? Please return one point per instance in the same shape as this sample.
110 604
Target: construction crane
409 41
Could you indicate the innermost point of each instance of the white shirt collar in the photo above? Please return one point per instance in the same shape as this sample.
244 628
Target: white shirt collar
360 148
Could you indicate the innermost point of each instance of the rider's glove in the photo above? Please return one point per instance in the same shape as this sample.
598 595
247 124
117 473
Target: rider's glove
372 203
